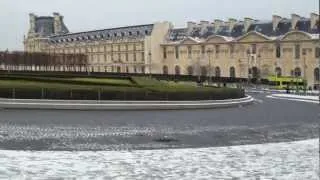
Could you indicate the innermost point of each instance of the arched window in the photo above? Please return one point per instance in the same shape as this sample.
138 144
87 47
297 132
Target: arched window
165 69
297 72
316 74
204 71
177 70
278 72
232 72
143 69
255 72
217 71
190 70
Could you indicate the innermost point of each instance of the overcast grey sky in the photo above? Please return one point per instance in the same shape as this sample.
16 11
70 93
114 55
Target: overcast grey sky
80 15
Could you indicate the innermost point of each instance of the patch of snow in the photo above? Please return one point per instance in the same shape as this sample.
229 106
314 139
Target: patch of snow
313 98
291 160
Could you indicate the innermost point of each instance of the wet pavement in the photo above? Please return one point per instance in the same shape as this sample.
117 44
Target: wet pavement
267 120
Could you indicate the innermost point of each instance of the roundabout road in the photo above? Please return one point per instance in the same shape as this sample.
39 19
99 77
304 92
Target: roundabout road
267 120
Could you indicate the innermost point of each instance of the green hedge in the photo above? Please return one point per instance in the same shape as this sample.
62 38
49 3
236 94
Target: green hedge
105 94
106 89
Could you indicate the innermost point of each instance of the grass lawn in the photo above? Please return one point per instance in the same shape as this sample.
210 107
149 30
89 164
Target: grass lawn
104 80
138 88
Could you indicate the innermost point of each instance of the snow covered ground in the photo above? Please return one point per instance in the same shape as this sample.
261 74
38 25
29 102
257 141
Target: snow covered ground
316 98
293 160
292 97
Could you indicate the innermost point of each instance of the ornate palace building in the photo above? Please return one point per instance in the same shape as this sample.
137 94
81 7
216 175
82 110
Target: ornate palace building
246 49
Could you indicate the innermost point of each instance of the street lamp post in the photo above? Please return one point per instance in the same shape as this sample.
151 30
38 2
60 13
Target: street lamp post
304 71
149 55
209 52
249 71
260 69
319 85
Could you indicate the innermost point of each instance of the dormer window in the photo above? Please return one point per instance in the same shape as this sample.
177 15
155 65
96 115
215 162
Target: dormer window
108 35
146 32
122 34
115 34
138 33
130 33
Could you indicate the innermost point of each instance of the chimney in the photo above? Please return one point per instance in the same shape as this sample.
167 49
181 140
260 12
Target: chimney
314 18
217 25
231 23
247 23
32 21
58 19
294 20
275 21
204 23
191 25
204 27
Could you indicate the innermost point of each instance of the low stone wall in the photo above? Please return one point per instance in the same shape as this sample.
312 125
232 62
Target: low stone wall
120 105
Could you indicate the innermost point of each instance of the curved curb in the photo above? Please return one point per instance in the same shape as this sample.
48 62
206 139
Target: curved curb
121 105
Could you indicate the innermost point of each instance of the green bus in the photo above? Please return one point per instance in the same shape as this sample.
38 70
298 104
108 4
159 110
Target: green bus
287 82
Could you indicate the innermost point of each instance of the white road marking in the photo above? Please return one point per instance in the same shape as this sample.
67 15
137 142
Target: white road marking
258 100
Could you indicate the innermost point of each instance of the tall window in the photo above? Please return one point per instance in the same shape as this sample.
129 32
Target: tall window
297 51
164 52
316 74
190 70
134 57
143 69
203 50
177 70
217 49
278 50
189 51
254 48
127 57
317 52
297 72
165 69
177 52
232 72
217 71
278 72
142 56
231 49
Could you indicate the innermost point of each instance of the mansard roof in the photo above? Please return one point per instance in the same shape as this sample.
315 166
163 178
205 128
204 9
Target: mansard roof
138 31
44 26
265 28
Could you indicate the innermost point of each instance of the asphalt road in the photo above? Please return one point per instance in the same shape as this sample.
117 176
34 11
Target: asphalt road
267 120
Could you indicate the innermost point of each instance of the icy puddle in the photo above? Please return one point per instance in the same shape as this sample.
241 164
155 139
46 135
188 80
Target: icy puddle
294 160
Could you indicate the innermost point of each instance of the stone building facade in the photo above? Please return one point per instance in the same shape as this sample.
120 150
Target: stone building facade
248 48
